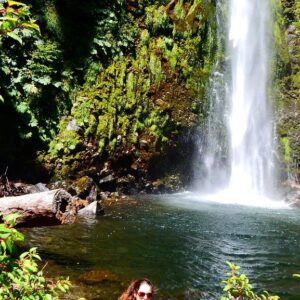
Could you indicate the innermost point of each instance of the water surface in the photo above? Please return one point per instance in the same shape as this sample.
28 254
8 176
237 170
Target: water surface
182 245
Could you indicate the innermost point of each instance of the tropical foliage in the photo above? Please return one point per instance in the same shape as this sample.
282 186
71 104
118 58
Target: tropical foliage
20 276
238 287
15 16
145 83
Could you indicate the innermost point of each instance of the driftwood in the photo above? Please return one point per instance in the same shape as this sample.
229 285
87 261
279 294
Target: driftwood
40 209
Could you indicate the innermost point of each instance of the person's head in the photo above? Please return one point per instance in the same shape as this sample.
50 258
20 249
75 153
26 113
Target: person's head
141 289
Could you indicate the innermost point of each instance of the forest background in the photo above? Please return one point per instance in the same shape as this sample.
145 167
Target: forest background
117 90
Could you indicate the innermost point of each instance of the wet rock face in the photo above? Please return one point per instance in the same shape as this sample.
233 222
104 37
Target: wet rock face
293 198
292 39
288 91
292 194
151 171
133 169
108 183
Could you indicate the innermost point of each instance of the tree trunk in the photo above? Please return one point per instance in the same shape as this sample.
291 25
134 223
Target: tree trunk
41 209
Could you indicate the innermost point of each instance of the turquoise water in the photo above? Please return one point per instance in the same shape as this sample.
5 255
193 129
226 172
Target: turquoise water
182 245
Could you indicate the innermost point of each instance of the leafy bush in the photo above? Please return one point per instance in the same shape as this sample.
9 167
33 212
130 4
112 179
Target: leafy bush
15 16
238 287
35 85
20 277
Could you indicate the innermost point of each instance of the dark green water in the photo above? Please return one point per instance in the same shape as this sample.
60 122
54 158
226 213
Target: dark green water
181 245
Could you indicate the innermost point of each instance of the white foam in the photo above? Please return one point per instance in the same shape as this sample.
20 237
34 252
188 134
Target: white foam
228 197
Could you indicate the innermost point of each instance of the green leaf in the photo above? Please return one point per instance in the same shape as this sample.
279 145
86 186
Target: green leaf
3 245
10 20
10 246
94 51
6 70
3 228
4 235
57 84
31 26
45 80
33 122
15 37
11 218
22 107
227 288
22 256
12 3
30 88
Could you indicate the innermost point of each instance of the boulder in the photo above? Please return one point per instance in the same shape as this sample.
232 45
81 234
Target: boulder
83 188
93 209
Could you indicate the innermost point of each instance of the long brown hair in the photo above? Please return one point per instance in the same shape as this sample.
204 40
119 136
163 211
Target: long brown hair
134 287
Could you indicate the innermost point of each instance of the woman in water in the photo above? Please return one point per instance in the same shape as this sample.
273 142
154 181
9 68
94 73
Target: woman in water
140 289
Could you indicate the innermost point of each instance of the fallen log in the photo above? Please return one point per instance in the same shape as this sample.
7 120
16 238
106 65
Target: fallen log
41 209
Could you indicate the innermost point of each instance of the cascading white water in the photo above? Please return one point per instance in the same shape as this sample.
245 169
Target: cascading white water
238 159
250 121
212 161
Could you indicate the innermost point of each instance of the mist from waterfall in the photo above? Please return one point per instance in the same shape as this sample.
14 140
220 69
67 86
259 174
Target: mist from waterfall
238 153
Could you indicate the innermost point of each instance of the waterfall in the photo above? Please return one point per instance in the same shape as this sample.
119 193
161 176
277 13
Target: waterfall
238 157
250 120
213 145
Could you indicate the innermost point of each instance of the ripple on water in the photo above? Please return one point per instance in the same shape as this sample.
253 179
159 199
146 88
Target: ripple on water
183 250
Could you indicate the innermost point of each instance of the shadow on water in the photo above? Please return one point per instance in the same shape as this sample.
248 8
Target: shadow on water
181 246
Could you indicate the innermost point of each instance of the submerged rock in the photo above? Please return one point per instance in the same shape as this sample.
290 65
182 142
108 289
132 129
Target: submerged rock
96 276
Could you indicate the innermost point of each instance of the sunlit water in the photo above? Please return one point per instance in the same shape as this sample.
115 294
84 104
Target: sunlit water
180 242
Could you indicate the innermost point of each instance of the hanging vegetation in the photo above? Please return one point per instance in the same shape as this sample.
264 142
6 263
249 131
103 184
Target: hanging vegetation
137 100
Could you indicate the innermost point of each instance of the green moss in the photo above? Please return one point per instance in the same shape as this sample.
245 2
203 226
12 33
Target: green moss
145 37
155 69
130 89
280 56
173 56
67 142
156 19
91 73
287 151
52 20
147 94
179 11
286 84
